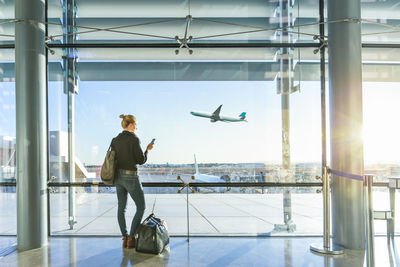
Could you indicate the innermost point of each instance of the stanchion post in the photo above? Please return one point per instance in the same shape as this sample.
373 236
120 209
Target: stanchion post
390 223
327 247
187 185
187 212
327 211
369 220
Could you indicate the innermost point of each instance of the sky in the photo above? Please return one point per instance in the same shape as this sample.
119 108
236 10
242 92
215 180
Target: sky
163 112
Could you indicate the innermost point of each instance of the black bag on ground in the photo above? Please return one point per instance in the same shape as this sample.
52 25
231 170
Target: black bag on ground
152 235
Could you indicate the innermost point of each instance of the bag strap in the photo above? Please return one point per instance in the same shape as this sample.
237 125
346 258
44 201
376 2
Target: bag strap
109 148
152 211
154 204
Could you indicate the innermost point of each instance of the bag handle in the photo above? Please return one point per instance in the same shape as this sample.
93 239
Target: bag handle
148 218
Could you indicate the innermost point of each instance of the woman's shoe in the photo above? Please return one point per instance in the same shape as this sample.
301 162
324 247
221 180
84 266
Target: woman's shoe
125 241
131 242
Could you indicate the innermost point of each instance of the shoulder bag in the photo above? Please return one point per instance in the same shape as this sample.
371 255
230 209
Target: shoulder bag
107 173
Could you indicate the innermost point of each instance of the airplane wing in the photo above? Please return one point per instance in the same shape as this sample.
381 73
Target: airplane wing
217 111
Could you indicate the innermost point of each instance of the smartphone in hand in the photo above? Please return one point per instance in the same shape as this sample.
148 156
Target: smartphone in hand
152 141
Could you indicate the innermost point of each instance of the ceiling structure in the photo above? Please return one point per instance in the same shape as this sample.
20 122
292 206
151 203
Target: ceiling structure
227 39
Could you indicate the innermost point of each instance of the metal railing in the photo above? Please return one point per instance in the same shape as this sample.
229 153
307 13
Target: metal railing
328 247
179 184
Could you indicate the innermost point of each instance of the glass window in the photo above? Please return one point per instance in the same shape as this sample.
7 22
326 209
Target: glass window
163 92
181 59
380 21
7 23
380 97
7 142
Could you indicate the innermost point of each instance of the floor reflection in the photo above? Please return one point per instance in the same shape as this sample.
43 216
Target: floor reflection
200 251
131 258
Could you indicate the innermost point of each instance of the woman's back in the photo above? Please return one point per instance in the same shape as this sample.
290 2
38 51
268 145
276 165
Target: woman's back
128 151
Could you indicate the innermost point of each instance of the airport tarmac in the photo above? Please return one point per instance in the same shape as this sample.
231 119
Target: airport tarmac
210 214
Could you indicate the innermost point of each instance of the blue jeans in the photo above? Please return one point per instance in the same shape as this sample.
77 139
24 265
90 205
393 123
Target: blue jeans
129 183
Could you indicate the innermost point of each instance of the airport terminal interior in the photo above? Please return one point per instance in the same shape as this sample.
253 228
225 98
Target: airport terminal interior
275 127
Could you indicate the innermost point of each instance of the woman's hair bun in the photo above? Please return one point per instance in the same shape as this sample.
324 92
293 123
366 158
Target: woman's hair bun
122 116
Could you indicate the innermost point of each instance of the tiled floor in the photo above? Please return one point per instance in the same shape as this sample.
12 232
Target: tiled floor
210 214
200 251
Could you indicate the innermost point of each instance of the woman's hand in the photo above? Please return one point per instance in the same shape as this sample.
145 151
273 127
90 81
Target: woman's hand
149 147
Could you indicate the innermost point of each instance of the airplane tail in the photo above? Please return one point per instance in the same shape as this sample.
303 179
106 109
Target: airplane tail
196 167
242 115
217 111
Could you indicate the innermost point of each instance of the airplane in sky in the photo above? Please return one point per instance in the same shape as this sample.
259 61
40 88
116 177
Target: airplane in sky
206 178
215 116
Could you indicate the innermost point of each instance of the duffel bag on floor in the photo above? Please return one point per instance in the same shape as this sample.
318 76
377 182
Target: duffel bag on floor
152 235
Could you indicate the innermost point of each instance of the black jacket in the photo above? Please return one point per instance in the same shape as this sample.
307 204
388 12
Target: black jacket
128 152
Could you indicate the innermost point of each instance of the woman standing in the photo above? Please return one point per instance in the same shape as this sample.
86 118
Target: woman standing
128 154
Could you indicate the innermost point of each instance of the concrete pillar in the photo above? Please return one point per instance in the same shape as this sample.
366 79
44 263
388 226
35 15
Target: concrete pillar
345 96
30 69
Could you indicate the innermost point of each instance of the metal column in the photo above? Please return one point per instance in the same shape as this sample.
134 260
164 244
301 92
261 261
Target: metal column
71 160
285 87
70 88
30 74
345 96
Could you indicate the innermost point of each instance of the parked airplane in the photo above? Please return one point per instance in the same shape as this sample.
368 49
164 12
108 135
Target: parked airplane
215 116
206 178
